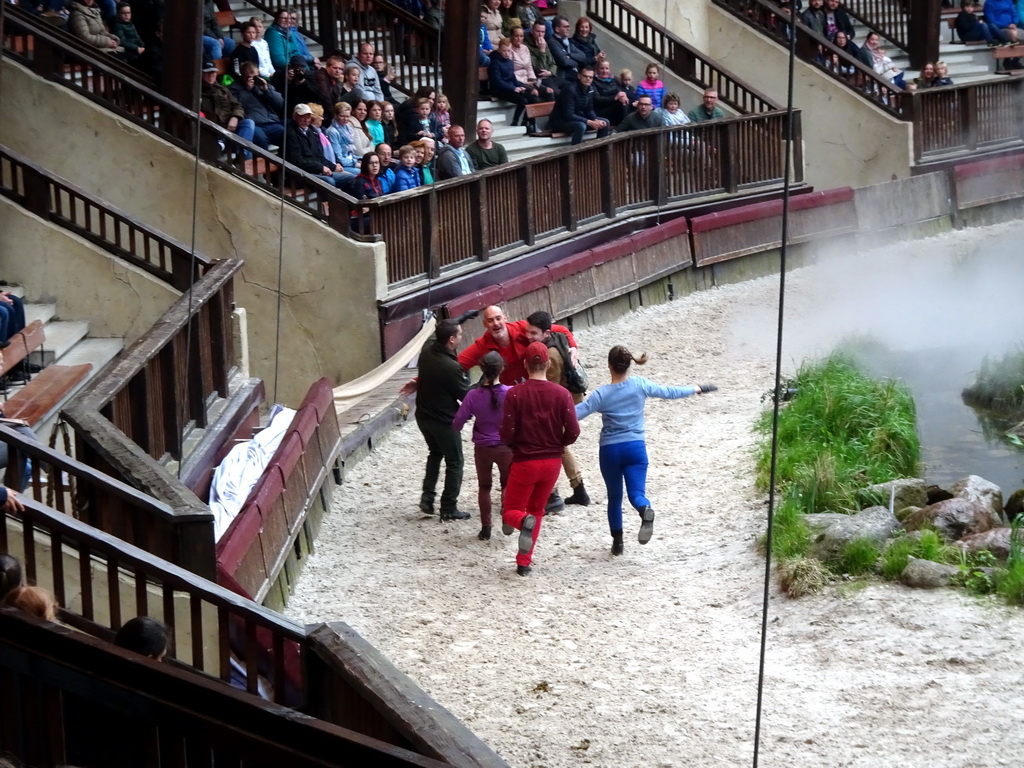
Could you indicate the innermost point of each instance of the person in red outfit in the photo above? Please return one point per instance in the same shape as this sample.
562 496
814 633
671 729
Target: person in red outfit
538 422
510 341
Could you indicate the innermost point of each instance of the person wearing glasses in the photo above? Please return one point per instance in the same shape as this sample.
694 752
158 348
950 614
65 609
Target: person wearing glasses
568 55
574 109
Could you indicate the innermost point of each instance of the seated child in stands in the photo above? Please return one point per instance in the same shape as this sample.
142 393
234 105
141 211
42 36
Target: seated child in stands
971 29
626 81
941 74
442 113
390 125
125 31
408 176
33 600
484 56
652 86
144 636
374 112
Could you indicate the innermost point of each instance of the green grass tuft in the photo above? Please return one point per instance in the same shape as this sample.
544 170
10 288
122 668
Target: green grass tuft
859 556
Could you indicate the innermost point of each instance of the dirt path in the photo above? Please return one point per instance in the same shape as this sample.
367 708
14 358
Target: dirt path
651 659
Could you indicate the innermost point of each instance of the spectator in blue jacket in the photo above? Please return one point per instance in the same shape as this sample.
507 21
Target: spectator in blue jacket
574 109
408 176
503 84
1003 13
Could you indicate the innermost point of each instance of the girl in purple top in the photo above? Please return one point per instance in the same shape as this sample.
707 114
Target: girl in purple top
485 404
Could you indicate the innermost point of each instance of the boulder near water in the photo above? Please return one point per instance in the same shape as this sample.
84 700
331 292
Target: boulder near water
974 488
954 518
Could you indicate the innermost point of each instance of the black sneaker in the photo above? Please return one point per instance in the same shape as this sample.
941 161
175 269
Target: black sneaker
526 534
507 529
579 496
555 504
454 514
426 509
485 533
617 545
646 525
524 570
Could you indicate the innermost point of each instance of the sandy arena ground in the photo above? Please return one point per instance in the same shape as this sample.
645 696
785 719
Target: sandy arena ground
651 659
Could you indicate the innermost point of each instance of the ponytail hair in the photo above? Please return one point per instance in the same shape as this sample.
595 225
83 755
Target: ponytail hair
620 358
491 365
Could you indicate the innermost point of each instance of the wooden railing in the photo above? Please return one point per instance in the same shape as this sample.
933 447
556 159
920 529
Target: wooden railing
524 203
60 202
963 119
70 697
678 56
409 45
817 51
45 51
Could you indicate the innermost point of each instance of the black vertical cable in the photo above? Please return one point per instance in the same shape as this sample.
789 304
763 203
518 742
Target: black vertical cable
778 383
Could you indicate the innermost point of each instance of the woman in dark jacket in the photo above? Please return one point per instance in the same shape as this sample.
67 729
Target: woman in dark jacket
587 41
610 100
502 82
366 186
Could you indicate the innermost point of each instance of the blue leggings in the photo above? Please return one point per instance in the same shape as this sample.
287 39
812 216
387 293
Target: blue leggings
624 461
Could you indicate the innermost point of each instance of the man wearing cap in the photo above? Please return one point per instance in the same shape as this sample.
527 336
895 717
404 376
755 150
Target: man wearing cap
218 104
441 387
304 150
509 340
538 422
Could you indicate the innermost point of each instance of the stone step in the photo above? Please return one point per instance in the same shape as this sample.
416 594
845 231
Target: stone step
61 336
99 352
42 312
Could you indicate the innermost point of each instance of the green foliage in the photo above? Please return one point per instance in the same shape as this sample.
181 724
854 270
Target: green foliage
932 547
790 535
976 572
899 551
1010 582
999 384
858 556
842 432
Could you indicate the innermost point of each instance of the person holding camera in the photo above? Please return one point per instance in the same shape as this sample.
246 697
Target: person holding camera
262 103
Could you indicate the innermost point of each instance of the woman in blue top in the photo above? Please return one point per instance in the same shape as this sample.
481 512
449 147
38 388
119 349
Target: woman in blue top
623 452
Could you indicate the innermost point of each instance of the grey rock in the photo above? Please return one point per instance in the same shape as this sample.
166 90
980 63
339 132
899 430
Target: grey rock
954 518
910 492
924 574
903 514
974 488
937 493
820 521
873 523
996 541
1014 505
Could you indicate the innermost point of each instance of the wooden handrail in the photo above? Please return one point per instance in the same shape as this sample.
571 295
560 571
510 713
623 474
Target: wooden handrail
56 200
681 58
817 51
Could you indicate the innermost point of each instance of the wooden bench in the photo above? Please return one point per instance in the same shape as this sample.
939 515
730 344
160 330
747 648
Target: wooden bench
534 111
44 392
1008 52
22 344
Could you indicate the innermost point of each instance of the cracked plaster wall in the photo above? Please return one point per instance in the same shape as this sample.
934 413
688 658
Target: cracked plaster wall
57 266
846 140
330 285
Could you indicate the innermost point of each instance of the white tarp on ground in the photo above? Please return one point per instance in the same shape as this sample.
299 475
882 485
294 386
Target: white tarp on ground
352 392
238 473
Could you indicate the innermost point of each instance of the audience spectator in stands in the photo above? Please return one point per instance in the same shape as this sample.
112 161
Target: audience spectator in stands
425 149
626 81
385 74
215 44
644 117
327 83
574 109
244 50
509 20
610 101
390 125
503 83
486 152
544 65
262 104
586 41
144 636
300 42
35 601
433 15
408 176
369 82
387 167
12 317
971 29
366 186
1004 14
522 63
295 83
10 569
814 16
837 20
927 77
342 137
417 123
671 113
361 142
127 35
490 17
283 43
220 105
527 13
351 90
374 112
442 113
85 23
567 54
304 150
941 75
262 49
846 44
453 159
484 52
317 113
882 64
651 85
708 108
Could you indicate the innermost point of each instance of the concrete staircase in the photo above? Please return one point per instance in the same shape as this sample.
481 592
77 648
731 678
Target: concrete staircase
67 343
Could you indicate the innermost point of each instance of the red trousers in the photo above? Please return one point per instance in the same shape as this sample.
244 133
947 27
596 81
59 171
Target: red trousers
529 485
